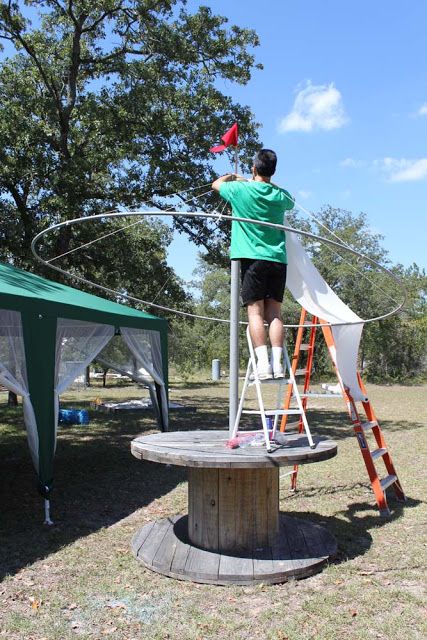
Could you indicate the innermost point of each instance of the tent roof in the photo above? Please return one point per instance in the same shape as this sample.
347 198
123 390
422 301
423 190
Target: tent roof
24 291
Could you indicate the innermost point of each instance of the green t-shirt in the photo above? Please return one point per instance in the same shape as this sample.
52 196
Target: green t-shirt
261 201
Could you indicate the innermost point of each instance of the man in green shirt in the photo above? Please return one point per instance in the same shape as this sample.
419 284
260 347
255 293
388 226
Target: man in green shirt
262 254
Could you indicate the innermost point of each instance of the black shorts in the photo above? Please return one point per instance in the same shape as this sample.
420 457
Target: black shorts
262 279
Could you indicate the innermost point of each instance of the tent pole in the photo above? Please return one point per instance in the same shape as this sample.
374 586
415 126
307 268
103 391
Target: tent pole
47 519
40 349
234 343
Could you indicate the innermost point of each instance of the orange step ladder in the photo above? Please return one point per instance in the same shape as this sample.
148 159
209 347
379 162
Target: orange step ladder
362 426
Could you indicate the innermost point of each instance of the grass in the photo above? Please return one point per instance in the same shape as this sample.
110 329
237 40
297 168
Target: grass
79 578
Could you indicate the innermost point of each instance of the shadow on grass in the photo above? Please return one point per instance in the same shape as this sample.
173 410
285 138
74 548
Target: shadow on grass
351 527
98 482
336 425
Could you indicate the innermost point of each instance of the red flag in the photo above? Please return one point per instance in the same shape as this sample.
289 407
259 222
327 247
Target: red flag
230 137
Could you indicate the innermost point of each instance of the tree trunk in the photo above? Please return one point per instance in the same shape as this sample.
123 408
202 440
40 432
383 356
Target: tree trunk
12 400
104 377
88 376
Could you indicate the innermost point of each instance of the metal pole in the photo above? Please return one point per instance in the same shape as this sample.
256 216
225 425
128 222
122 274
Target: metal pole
234 342
234 330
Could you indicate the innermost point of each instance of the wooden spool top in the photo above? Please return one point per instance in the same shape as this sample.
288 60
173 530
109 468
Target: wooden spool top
208 449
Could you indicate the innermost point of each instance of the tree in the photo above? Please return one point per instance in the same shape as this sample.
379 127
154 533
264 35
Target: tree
195 343
112 103
392 349
397 347
135 264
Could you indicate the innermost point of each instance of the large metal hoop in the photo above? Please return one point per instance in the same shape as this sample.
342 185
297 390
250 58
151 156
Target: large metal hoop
203 214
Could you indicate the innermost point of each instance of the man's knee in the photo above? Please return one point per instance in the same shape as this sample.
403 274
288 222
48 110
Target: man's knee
273 310
256 308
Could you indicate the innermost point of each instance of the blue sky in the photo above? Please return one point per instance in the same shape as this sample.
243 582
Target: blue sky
343 100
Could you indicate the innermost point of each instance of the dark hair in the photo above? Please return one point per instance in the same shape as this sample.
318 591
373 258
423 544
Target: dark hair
265 162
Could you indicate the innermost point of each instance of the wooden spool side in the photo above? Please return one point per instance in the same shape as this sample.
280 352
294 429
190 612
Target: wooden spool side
233 509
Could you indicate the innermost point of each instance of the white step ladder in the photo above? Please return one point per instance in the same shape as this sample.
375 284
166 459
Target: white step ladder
252 378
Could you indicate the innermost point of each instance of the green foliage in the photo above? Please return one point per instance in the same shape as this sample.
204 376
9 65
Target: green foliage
194 343
396 348
108 104
391 350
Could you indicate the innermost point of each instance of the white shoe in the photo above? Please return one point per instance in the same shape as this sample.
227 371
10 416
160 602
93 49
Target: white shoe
278 373
265 373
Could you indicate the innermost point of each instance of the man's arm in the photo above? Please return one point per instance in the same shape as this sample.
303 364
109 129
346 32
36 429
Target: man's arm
229 177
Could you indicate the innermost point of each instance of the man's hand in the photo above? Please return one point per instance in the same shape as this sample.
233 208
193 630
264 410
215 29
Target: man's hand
229 177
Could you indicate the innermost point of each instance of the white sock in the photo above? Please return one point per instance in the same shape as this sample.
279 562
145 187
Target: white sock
276 358
262 357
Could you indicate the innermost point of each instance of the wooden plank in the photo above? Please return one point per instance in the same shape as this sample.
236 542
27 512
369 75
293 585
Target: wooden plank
318 540
271 565
329 543
235 569
153 541
210 534
273 506
140 537
281 553
263 565
195 506
203 508
207 449
227 480
182 548
245 528
163 557
261 509
300 552
202 565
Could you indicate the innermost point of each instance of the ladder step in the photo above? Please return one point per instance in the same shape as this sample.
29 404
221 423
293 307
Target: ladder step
388 481
304 347
300 372
369 425
271 381
292 425
377 453
315 394
274 412
332 388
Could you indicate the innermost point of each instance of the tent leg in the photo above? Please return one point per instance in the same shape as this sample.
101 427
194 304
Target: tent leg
47 519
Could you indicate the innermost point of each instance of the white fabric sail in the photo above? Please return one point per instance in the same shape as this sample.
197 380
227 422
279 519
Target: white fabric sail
312 292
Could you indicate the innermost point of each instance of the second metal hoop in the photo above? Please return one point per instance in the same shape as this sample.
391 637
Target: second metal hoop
202 214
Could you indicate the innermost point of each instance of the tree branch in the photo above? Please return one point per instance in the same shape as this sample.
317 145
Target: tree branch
106 14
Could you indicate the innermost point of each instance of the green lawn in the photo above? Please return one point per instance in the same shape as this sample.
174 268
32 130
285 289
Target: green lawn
79 578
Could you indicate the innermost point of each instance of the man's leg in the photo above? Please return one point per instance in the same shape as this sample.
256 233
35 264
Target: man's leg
273 315
259 338
256 323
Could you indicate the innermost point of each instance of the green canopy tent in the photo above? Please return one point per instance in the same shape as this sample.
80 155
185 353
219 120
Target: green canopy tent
49 334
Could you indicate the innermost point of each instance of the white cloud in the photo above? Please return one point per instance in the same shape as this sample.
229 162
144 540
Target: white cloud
350 162
315 107
404 170
304 194
422 111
